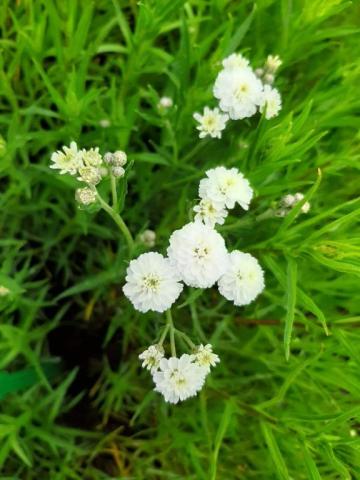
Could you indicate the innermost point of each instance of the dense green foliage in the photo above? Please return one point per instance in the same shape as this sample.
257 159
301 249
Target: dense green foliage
284 403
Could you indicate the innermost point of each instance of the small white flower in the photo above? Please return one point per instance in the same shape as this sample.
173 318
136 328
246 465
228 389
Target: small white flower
85 196
272 100
67 161
148 238
4 291
90 175
239 92
244 279
179 378
306 207
205 357
166 102
272 63
151 357
91 157
212 122
152 283
235 60
199 254
210 213
226 186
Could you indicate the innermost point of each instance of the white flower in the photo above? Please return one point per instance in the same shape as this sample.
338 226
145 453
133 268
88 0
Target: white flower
91 157
210 212
205 357
235 60
199 254
272 63
244 279
272 100
166 102
90 175
151 357
212 122
148 238
152 283
179 378
67 161
239 92
85 196
226 186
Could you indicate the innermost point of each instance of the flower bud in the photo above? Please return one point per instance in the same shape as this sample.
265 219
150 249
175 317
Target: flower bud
85 196
259 72
166 102
119 158
269 78
148 238
117 172
108 158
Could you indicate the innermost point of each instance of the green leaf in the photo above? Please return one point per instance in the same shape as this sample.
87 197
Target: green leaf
274 451
291 282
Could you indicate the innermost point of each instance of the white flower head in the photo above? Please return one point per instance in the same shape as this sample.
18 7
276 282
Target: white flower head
179 378
227 186
235 60
298 197
117 172
91 157
152 283
288 200
151 357
199 254
211 122
85 196
90 175
68 160
210 212
271 99
104 123
239 92
205 357
244 279
272 63
166 102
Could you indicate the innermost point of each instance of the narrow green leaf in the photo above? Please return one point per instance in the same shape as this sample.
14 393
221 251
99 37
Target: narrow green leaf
291 282
275 453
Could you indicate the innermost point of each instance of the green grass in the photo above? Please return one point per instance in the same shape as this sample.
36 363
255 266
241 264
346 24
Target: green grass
284 403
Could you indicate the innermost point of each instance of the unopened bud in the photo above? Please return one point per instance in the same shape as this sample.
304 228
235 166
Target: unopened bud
117 172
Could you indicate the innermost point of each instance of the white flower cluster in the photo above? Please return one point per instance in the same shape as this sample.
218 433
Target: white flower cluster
288 202
89 166
241 92
178 378
197 254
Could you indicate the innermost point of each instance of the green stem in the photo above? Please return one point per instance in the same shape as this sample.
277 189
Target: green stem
164 333
186 339
170 323
119 222
114 193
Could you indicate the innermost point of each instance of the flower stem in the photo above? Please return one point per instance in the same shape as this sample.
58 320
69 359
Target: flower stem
170 323
114 193
164 333
118 220
186 339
